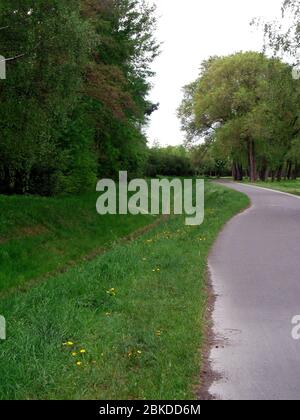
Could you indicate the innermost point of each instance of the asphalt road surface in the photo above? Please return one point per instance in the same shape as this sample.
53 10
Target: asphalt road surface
255 271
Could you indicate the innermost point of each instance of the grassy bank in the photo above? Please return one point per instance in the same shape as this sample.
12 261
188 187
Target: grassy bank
135 313
40 235
292 186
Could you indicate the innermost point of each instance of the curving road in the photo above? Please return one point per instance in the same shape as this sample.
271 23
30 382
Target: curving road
255 271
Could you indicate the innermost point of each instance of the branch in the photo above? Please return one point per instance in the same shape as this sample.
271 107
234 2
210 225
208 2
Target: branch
4 27
12 58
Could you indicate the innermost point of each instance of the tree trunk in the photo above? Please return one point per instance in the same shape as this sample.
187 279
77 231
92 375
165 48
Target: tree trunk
252 161
234 176
279 173
289 170
263 172
273 175
237 172
296 169
240 172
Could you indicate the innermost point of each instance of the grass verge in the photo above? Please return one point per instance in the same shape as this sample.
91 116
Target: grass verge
292 186
127 325
42 235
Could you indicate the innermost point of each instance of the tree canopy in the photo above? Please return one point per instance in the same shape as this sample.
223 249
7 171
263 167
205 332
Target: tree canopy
245 106
74 103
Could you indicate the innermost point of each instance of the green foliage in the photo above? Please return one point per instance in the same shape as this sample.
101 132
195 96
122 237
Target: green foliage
246 107
282 36
118 81
40 94
74 101
169 161
206 160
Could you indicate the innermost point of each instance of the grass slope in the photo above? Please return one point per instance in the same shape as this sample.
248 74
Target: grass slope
136 312
40 235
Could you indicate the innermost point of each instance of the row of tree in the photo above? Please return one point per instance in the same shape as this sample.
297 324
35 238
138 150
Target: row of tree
74 102
169 161
245 110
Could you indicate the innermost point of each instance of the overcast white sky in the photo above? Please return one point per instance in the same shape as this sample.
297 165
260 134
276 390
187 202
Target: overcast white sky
191 31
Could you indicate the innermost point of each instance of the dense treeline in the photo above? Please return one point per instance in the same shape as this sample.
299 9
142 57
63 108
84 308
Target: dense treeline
245 110
74 103
181 161
169 161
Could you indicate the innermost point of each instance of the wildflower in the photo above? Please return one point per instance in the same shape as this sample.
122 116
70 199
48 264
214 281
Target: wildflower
82 351
74 354
79 364
111 292
68 344
139 352
158 333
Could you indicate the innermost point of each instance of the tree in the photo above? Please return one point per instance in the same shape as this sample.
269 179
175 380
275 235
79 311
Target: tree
169 161
40 96
74 104
193 132
282 38
118 81
249 104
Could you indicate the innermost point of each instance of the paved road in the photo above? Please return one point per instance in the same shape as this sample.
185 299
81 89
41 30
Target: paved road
255 269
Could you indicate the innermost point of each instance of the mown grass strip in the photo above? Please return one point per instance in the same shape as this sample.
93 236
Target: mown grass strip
289 186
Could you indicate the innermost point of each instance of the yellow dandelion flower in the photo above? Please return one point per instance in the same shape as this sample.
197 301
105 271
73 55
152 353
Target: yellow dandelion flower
74 354
79 364
82 351
111 292
68 344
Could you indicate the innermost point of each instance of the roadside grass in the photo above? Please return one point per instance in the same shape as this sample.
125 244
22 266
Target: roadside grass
291 186
136 312
42 235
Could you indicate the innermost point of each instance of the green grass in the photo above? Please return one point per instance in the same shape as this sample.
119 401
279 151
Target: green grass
41 235
292 186
141 343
